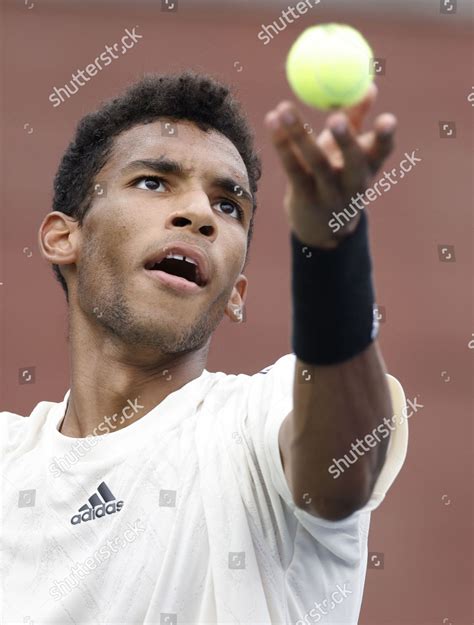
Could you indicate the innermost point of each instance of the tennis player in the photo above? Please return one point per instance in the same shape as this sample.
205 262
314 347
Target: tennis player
158 492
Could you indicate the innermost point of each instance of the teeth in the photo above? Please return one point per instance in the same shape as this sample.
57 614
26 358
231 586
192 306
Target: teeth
181 257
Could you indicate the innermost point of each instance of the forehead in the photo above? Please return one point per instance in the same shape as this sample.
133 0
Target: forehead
207 153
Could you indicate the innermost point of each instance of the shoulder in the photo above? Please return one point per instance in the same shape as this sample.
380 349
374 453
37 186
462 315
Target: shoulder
274 378
12 429
283 366
15 428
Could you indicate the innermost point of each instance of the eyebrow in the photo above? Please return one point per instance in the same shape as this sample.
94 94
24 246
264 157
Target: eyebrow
169 166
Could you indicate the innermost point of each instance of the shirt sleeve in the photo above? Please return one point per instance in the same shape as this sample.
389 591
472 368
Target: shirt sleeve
270 400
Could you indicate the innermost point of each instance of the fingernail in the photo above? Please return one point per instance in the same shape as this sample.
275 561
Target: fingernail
387 131
273 122
339 127
389 128
288 117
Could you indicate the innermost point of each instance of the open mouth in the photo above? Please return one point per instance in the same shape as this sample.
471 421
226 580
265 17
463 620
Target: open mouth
180 266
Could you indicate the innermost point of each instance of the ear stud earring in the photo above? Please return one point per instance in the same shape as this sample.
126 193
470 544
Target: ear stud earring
238 313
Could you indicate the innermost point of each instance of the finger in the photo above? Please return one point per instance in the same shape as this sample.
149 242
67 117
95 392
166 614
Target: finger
355 115
379 143
356 167
293 166
315 158
327 143
359 111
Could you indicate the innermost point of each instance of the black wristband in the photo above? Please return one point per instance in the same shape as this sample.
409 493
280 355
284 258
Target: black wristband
333 298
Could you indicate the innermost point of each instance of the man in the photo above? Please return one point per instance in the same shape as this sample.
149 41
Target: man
157 491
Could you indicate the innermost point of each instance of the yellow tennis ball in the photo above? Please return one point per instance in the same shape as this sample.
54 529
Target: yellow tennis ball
329 66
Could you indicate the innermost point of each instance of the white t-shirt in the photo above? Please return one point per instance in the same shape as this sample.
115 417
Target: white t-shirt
182 517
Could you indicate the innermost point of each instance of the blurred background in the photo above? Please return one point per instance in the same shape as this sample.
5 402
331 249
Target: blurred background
421 541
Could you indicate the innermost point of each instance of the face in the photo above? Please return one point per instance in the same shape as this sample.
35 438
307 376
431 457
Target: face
157 192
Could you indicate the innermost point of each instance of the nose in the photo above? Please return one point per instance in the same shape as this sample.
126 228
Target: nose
195 215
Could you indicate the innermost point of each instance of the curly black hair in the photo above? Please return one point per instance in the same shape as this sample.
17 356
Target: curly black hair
188 95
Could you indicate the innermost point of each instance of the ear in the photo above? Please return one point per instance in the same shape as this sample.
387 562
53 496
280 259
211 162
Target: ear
58 238
235 306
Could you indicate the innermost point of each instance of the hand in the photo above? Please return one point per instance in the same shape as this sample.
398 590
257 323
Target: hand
326 172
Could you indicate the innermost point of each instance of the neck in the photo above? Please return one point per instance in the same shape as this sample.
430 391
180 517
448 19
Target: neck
112 385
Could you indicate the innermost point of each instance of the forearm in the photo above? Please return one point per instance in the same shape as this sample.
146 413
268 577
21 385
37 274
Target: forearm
340 391
335 408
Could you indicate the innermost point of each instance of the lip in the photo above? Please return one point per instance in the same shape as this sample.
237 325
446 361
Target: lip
175 282
190 251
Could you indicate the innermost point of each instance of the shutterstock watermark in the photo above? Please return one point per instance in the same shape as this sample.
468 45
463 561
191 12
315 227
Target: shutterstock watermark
372 193
80 570
268 31
372 439
102 60
81 447
316 613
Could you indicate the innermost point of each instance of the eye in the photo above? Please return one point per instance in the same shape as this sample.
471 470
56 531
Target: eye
149 183
234 206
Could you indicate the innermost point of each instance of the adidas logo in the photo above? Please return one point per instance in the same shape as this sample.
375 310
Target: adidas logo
98 507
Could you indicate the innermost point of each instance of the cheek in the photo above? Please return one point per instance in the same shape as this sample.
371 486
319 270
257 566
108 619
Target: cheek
239 248
106 245
231 264
118 225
